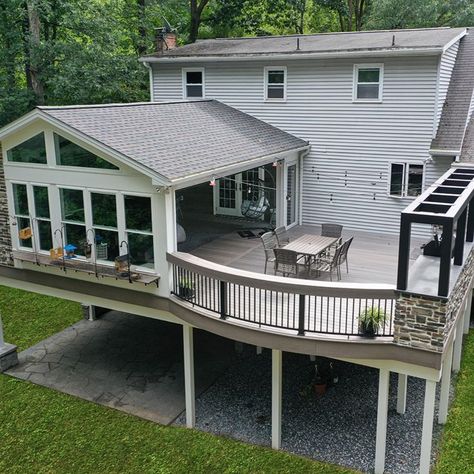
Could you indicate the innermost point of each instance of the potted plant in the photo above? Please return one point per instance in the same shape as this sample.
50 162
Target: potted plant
70 250
370 321
186 289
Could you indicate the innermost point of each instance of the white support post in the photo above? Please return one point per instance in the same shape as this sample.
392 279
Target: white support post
382 414
467 313
445 384
458 347
2 340
402 393
427 433
276 397
188 345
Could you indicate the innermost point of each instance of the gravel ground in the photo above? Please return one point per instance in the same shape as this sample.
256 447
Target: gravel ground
338 427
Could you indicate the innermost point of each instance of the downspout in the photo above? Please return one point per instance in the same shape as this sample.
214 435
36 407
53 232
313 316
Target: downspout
303 154
150 79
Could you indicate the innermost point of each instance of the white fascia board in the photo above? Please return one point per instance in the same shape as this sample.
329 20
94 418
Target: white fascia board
39 114
433 51
435 152
454 40
204 176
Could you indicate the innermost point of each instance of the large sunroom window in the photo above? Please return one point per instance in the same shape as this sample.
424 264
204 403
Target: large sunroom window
42 217
30 151
138 223
22 215
104 221
73 218
70 154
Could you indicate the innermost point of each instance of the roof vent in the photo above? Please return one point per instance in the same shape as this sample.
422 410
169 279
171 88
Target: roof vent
393 40
298 44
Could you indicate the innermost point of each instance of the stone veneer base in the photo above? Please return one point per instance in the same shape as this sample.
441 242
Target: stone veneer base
8 357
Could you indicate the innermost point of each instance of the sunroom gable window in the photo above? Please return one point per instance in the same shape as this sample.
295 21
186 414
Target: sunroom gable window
368 81
32 150
406 179
193 83
70 154
275 83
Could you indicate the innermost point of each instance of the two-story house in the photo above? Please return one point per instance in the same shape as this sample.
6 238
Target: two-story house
147 208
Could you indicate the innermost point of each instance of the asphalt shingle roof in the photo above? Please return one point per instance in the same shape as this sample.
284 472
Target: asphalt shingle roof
178 139
467 153
318 43
452 124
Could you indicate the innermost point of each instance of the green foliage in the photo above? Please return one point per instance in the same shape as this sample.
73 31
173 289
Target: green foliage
456 453
372 316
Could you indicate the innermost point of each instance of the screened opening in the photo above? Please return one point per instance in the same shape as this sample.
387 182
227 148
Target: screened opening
22 215
42 214
194 83
73 217
368 83
30 151
104 221
70 154
275 84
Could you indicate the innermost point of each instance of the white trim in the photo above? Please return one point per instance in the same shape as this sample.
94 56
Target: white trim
437 105
268 69
454 40
184 71
405 181
427 51
355 82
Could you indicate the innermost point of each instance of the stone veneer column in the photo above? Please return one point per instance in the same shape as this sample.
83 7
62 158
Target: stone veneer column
425 322
5 238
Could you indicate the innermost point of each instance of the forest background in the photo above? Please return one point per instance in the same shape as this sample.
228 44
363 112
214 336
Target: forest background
61 52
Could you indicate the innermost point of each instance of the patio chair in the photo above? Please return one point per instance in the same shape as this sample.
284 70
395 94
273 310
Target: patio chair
282 236
328 265
288 263
269 243
343 257
331 230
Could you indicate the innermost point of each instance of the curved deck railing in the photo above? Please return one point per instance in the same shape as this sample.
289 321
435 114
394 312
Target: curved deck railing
303 306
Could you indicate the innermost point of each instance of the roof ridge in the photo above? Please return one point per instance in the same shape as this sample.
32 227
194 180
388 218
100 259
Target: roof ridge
119 104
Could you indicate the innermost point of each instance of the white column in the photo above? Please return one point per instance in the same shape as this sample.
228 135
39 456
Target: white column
382 413
427 433
402 393
445 384
458 346
188 345
276 397
467 313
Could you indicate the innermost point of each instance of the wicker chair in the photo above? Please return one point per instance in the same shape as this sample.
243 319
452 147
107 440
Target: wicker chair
269 243
288 263
282 236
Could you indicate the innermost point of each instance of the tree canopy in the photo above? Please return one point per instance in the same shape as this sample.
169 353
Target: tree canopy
86 51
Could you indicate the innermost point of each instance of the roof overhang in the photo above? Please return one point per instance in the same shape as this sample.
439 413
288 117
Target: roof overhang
220 172
386 52
39 115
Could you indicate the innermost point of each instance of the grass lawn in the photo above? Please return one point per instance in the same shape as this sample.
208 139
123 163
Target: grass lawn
457 444
43 431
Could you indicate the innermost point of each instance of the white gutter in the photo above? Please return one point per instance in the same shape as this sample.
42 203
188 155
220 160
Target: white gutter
150 79
436 152
433 51
222 171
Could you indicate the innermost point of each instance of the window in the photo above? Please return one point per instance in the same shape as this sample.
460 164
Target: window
104 223
138 227
70 154
368 80
406 180
73 219
193 83
30 151
43 218
275 83
22 215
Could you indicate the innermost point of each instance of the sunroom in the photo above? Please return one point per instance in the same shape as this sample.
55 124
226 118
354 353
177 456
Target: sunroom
100 190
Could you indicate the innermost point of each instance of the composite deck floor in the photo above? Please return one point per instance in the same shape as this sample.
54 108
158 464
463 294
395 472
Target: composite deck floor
372 259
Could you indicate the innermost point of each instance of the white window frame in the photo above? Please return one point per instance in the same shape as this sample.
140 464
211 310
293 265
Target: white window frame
268 69
406 171
355 81
184 71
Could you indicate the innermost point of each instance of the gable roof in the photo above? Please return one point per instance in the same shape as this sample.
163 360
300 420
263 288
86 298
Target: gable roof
467 153
362 42
455 113
177 140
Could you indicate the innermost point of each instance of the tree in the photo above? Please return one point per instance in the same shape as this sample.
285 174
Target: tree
196 8
351 13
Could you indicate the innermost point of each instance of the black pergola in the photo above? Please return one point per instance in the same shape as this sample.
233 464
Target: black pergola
446 203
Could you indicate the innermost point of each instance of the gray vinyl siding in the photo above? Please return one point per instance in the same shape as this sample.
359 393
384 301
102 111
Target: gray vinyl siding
446 66
352 143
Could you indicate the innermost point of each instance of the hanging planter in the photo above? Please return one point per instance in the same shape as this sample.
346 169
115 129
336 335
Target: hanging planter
25 233
56 253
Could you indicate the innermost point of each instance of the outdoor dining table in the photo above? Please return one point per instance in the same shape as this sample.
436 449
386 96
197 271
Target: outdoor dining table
310 245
